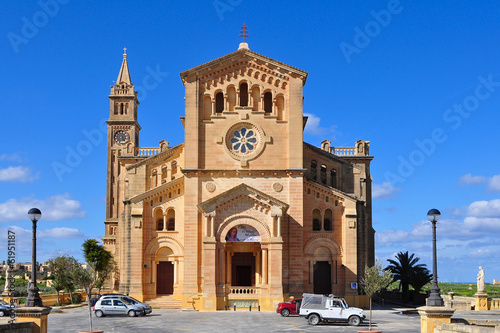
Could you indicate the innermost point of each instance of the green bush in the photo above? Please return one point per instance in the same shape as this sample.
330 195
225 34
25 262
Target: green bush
77 299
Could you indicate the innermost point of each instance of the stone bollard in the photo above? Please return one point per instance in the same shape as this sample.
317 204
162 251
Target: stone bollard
433 316
37 314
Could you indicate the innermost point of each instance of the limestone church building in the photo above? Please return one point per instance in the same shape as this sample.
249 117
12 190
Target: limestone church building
244 212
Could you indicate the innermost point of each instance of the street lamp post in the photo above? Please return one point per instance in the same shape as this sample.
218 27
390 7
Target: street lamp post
33 298
434 298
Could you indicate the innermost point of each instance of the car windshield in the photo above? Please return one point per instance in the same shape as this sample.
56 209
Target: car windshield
345 304
2 302
130 300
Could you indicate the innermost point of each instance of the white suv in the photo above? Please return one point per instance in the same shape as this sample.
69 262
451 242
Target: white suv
320 308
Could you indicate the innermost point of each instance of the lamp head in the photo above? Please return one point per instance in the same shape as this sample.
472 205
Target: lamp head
434 215
34 214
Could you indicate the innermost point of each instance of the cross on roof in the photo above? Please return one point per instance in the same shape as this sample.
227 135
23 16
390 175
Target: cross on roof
243 32
124 50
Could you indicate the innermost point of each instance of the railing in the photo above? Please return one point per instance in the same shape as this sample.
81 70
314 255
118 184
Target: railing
344 151
243 291
148 151
495 304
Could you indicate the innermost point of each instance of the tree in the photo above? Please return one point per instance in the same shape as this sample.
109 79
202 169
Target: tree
61 268
420 277
100 261
403 270
374 280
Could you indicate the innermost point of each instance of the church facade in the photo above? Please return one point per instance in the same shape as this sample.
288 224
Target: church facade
244 212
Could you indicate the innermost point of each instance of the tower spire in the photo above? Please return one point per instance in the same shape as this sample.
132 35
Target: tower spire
124 75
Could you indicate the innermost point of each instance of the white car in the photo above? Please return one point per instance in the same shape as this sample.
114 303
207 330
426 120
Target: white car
320 308
116 306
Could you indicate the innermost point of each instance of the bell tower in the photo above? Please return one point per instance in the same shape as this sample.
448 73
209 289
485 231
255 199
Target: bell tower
123 137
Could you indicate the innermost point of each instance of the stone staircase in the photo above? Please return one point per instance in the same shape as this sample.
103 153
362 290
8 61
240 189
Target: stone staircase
165 302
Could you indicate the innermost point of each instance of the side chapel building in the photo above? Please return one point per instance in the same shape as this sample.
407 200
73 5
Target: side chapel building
243 212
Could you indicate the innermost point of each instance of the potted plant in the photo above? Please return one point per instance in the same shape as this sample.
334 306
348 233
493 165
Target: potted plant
374 280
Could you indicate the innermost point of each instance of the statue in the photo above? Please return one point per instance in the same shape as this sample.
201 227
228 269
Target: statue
480 280
8 282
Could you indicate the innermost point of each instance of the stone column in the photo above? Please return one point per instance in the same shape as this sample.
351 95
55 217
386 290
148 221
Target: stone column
264 266
38 315
164 222
433 316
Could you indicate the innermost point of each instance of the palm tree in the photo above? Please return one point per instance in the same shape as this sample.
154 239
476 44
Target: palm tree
403 270
421 276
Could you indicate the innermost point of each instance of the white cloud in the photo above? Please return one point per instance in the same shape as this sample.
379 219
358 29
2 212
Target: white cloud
61 233
481 253
384 191
18 174
313 127
484 208
493 183
468 179
54 208
11 157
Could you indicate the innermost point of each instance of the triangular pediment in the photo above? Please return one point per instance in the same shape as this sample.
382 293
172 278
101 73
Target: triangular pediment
276 206
243 58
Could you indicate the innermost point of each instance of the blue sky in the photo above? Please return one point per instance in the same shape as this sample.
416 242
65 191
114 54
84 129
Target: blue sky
419 79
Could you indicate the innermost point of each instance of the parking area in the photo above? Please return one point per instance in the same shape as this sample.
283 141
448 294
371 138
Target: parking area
74 320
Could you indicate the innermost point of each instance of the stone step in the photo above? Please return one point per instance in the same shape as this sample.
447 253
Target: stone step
165 302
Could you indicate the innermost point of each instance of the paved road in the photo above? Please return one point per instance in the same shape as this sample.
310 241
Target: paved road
74 320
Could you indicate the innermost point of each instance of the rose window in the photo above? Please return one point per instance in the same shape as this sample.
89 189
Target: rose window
243 140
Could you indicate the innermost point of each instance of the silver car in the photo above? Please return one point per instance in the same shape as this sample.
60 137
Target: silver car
131 300
116 306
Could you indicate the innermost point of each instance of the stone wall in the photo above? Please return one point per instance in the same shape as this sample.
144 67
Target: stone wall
451 328
25 327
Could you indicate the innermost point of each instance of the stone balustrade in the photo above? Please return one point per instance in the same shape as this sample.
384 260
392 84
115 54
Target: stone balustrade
344 151
148 151
243 291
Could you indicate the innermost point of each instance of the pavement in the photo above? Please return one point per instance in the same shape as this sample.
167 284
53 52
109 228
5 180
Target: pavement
387 319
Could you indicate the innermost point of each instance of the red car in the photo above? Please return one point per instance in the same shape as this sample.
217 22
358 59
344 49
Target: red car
288 308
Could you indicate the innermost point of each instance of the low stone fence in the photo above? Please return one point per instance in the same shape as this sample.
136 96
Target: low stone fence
51 300
452 328
24 327
460 303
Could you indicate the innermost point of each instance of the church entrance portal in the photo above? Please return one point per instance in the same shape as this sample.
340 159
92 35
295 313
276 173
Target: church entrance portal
243 269
322 277
165 278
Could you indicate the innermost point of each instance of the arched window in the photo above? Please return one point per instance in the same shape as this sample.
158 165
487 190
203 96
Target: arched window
314 170
333 178
322 173
174 167
164 172
219 102
327 221
268 102
171 225
207 107
256 98
316 220
171 220
154 180
121 108
231 98
159 225
280 105
243 94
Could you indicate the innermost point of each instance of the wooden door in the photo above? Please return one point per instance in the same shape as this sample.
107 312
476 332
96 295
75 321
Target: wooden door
322 277
165 278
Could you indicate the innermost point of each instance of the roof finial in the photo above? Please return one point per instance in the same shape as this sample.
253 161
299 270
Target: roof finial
124 52
243 33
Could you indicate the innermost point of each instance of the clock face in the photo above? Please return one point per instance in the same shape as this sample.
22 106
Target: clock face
121 137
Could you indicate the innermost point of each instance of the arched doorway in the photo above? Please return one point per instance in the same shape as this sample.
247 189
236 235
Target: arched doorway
322 277
165 271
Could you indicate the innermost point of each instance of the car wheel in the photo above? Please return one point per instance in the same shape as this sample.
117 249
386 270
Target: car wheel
99 314
354 320
285 312
2 313
313 319
131 313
